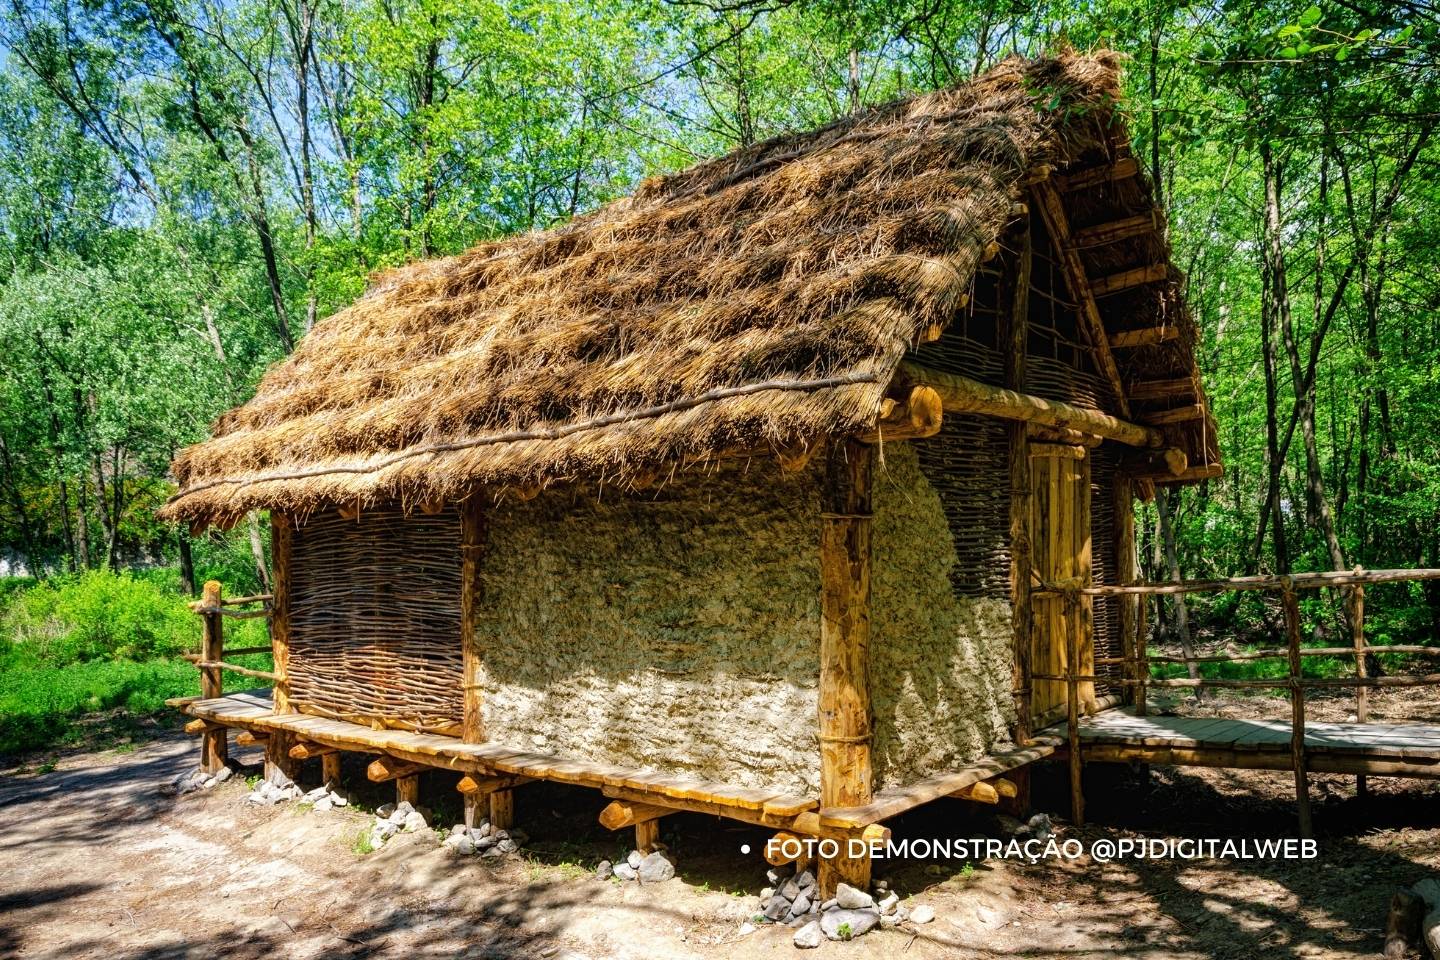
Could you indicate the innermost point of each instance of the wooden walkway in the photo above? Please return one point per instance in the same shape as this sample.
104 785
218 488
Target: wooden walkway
255 710
1376 749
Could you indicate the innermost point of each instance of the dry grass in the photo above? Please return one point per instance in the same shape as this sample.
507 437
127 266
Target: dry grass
763 298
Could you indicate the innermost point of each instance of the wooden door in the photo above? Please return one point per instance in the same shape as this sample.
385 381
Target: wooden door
1060 541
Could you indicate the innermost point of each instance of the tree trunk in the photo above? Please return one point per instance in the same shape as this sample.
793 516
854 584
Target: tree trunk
1165 508
257 550
187 564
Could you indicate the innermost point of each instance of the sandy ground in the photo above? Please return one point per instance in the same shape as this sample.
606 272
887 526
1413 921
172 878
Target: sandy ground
95 862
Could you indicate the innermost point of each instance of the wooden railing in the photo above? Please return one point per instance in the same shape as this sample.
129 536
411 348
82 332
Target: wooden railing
213 608
1139 660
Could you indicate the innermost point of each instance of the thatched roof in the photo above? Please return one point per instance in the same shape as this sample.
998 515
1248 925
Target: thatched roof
764 298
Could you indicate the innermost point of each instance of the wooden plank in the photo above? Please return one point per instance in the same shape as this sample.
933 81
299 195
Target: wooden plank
1178 387
1129 279
472 552
1121 169
1127 228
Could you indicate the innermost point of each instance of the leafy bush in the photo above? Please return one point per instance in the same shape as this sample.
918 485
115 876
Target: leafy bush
99 615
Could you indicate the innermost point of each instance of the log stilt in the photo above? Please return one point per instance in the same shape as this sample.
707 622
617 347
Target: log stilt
502 809
278 762
407 789
1297 709
845 732
306 750
249 738
647 835
330 769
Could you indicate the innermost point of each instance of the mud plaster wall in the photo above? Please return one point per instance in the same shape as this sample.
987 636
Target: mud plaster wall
679 632
676 631
940 677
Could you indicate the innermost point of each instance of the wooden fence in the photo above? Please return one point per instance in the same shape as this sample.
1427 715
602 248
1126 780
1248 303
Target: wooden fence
213 608
1138 660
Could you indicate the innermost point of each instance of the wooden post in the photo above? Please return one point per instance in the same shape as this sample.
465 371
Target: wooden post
1072 708
1297 707
1362 669
1123 511
844 728
1015 325
214 742
282 535
279 765
472 553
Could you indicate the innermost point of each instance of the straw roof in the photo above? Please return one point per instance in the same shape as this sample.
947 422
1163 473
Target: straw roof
763 299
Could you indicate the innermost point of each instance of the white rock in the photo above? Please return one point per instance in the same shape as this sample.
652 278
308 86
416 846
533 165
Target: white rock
746 929
339 800
414 821
889 920
848 898
809 936
463 846
889 902
848 924
323 804
766 893
223 774
922 914
634 859
385 810
624 871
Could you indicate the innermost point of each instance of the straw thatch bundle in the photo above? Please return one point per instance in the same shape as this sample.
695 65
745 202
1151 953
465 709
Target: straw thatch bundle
764 298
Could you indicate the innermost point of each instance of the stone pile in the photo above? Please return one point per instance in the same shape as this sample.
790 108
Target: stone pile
486 840
793 900
196 779
277 788
393 818
654 867
325 798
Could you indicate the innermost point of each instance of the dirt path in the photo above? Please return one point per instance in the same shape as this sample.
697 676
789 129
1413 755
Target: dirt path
95 862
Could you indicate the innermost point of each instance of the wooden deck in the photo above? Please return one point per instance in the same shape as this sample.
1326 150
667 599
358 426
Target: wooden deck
1376 749
254 710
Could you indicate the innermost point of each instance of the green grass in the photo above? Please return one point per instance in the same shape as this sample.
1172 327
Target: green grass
97 655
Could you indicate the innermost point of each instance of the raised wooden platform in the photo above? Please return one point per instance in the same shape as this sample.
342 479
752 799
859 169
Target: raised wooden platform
1376 749
254 710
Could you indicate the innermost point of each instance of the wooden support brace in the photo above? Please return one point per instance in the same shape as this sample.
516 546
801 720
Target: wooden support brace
475 785
407 789
1144 337
502 809
251 738
1163 389
1116 230
621 813
1121 169
647 835
305 750
918 416
277 758
1166 463
330 768
388 768
1181 414
201 726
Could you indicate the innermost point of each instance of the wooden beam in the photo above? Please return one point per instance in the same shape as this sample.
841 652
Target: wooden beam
1178 387
201 726
1092 325
305 750
1014 323
963 395
981 792
407 790
1121 169
619 814
914 418
647 835
477 785
388 768
1208 471
1129 279
330 769
502 809
1143 337
1116 230
1183 414
846 778
251 738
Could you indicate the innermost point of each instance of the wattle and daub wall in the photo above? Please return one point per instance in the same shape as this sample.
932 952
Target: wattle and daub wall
677 630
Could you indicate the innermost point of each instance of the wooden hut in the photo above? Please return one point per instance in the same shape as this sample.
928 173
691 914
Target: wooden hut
729 496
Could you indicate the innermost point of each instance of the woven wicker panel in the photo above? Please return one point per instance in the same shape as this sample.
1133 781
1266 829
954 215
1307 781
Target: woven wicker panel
1104 566
967 463
375 619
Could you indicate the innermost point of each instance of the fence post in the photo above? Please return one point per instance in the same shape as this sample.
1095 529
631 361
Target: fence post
214 742
1297 705
1362 692
1072 708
